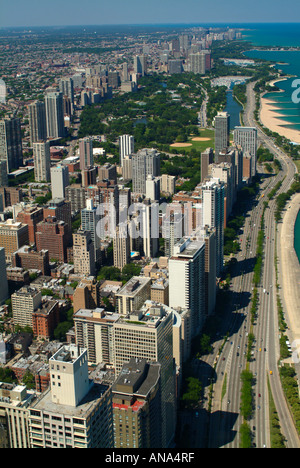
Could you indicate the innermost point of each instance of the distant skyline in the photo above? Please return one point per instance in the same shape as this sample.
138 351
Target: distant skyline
20 13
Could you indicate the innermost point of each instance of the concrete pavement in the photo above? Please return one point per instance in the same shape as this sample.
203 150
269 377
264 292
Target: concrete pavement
290 267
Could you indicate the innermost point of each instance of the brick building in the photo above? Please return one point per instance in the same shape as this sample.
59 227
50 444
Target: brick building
52 235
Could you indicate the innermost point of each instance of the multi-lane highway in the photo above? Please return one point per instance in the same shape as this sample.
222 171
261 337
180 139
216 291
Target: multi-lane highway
265 330
224 368
219 426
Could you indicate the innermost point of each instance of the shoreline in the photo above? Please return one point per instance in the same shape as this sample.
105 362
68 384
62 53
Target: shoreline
273 121
290 267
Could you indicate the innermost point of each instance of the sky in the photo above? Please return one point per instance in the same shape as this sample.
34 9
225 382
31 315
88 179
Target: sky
18 13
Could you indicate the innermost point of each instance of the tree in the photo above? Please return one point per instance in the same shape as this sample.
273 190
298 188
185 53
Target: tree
193 392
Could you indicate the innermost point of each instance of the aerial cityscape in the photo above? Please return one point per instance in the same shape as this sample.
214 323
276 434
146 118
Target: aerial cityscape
149 233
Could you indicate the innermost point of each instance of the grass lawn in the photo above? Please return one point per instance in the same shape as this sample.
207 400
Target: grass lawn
297 162
200 145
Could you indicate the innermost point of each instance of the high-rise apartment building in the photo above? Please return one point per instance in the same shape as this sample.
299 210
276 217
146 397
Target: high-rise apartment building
89 221
209 237
175 66
108 172
246 137
37 121
145 162
224 171
198 63
83 253
54 115
86 153
24 302
66 87
186 280
94 331
11 143
207 158
14 403
222 132
60 209
167 184
133 294
53 235
126 147
4 294
136 399
75 412
3 174
213 215
147 334
121 247
59 180
42 163
140 64
153 188
45 319
87 294
31 215
13 235
29 259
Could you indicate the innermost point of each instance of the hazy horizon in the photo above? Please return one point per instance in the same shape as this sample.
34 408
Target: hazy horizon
34 13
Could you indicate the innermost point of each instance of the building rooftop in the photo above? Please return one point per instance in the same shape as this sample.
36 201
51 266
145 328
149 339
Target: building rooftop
134 285
137 377
97 314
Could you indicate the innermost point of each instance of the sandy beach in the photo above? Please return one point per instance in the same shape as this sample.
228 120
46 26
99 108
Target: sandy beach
270 120
290 267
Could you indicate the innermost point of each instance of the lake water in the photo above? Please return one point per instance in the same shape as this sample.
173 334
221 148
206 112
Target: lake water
234 109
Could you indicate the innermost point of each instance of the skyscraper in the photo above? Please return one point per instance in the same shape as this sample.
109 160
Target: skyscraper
11 143
55 115
213 216
121 246
83 253
186 280
198 63
59 181
3 174
145 162
89 220
41 157
140 64
126 147
136 398
86 153
53 235
37 121
246 137
24 302
147 334
4 284
222 131
207 158
66 87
